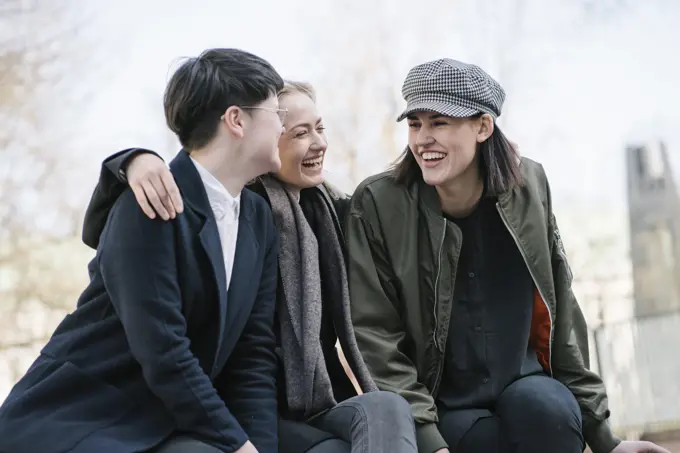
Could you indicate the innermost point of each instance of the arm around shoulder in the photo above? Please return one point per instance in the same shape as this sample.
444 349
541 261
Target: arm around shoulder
111 184
137 260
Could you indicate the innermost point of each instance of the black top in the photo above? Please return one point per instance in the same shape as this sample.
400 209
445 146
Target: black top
488 343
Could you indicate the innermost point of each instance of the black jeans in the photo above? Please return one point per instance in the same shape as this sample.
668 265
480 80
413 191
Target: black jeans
535 414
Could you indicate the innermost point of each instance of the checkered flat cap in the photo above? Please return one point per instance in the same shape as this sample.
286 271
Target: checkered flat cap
451 88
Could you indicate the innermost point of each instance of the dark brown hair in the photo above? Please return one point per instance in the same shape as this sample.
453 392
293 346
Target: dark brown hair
499 164
204 87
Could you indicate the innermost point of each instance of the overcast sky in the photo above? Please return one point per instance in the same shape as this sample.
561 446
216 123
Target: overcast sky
581 81
583 78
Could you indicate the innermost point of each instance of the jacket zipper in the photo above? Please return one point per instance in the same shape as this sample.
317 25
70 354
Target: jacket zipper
526 261
436 304
436 288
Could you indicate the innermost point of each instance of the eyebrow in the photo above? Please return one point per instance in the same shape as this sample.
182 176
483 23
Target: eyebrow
319 120
434 116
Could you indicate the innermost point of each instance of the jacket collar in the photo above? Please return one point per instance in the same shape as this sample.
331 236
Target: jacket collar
524 214
192 188
190 183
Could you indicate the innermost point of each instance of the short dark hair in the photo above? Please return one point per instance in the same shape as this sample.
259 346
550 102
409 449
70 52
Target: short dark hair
499 164
203 87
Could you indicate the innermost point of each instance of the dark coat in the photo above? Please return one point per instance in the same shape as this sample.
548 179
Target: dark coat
112 183
157 344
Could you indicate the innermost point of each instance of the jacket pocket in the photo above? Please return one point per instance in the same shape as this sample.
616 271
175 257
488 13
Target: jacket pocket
59 410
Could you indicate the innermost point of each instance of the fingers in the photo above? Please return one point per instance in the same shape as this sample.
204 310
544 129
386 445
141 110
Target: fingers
175 197
142 201
151 192
154 187
650 447
163 196
659 449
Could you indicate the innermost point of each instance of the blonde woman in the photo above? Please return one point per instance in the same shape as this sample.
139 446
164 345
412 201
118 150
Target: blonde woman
320 410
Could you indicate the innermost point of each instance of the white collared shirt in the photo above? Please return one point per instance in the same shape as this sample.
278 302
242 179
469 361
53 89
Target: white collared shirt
226 209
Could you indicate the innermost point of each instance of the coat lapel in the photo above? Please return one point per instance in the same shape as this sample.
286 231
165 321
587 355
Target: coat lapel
233 301
245 257
526 220
210 240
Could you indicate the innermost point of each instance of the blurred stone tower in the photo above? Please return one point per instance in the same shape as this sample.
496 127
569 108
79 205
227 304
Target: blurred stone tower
654 213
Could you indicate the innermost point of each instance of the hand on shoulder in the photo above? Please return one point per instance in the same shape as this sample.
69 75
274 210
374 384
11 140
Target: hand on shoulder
154 186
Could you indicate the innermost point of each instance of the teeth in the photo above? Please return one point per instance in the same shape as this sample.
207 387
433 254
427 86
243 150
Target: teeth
315 161
432 155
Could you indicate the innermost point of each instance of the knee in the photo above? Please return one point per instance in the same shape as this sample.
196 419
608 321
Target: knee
553 416
544 404
386 405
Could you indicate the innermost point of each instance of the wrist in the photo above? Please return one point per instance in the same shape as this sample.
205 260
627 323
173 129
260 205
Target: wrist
127 160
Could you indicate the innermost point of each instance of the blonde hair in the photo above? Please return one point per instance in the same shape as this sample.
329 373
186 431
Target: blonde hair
291 86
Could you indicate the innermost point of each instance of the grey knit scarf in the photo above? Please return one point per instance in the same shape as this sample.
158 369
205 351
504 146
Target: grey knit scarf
308 384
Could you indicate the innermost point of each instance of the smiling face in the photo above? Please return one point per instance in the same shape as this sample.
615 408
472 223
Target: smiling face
445 147
303 144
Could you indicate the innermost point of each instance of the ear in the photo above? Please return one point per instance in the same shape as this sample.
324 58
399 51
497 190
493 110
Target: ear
234 119
486 126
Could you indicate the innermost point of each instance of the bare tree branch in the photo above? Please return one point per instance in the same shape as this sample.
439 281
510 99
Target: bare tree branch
40 45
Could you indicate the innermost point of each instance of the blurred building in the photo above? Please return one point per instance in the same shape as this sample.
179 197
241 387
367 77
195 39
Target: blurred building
638 356
654 216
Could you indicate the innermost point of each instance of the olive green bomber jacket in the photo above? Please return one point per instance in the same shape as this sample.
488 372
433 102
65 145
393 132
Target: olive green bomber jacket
401 279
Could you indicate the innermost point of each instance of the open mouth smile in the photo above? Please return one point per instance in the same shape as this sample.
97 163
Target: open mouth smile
313 163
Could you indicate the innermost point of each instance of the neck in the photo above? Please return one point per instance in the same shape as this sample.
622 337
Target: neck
459 197
233 173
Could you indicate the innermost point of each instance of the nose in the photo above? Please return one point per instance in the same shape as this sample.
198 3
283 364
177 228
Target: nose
424 137
319 144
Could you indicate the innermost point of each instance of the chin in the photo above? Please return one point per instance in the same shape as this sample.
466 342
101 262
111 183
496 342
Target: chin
315 181
307 183
434 178
441 177
311 179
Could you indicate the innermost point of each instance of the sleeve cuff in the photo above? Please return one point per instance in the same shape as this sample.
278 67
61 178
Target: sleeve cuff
429 438
118 163
599 436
